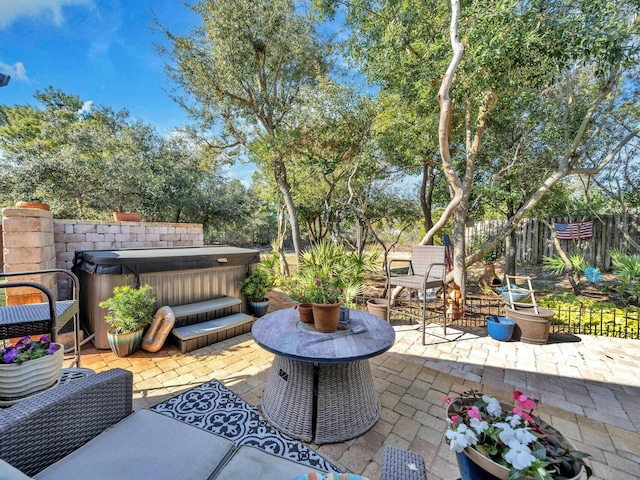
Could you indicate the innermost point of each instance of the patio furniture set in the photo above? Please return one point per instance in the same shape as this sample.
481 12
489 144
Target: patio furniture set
85 429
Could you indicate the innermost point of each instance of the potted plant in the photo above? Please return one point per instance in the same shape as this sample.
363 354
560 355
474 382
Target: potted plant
495 440
325 298
29 366
255 288
129 311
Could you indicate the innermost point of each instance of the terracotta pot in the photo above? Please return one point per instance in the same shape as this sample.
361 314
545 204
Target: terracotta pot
378 307
18 381
127 217
306 312
531 327
326 316
36 205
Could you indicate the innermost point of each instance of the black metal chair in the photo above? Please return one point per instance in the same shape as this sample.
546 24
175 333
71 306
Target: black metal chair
427 272
41 318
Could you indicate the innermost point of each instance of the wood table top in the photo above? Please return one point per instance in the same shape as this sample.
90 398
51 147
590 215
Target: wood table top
282 333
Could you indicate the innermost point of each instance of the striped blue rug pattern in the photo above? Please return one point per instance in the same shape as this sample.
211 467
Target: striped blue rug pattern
213 407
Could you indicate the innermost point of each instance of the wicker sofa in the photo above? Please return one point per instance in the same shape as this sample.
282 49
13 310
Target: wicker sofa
65 433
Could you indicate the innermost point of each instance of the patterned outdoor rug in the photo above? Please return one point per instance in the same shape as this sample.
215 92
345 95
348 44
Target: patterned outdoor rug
213 407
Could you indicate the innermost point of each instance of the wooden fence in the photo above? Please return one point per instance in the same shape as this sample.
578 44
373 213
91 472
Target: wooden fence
533 240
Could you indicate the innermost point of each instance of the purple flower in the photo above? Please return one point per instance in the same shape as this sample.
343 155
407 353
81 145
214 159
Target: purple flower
10 355
51 350
45 339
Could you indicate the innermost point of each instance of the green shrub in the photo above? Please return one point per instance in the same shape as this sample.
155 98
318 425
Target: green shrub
256 285
130 308
627 268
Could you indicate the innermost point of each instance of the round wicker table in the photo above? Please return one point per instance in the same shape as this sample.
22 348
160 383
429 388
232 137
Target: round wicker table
321 391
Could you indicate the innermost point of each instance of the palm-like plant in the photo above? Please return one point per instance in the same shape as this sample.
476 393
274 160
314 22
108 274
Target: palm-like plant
627 268
336 264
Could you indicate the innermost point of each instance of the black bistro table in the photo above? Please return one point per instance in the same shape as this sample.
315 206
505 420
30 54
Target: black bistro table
323 391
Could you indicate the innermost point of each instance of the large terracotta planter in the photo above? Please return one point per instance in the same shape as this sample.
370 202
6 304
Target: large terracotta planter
306 312
124 344
326 316
378 307
531 327
127 217
17 381
36 205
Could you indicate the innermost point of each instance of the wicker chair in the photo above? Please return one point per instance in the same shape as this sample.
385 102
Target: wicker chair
41 318
427 270
41 430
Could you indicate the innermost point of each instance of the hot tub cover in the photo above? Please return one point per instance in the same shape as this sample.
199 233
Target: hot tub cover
148 260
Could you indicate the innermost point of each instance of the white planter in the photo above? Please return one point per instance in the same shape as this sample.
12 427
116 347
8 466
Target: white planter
18 381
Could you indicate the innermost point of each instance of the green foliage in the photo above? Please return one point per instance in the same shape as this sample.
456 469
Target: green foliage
478 243
334 266
627 268
555 264
584 313
256 285
130 308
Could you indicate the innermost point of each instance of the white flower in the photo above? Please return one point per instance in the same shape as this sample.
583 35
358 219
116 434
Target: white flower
478 425
514 420
524 435
519 455
461 438
493 406
507 434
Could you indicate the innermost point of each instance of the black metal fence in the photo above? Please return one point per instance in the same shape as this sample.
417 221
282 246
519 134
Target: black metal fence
574 320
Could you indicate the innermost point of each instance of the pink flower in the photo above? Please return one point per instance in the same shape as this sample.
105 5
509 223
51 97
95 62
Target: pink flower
524 415
524 402
474 412
447 400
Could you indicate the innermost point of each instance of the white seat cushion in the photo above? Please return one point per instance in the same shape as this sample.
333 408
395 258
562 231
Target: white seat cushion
145 445
254 463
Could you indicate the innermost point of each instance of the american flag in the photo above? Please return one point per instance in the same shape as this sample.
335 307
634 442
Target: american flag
574 231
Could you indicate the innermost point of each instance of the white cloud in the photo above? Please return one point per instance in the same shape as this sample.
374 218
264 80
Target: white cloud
10 10
15 71
86 107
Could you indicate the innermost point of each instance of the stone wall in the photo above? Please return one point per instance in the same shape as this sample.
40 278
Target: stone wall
76 235
33 240
28 244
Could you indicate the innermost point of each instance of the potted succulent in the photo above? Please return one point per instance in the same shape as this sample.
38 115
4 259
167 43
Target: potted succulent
129 311
29 366
255 288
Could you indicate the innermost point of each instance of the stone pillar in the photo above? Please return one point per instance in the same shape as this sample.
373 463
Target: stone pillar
27 235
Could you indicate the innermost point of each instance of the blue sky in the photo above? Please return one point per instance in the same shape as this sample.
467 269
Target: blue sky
100 50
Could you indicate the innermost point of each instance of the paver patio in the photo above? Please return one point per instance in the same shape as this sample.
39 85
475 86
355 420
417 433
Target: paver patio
588 387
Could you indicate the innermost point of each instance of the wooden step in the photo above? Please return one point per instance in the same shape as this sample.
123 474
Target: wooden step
191 337
198 308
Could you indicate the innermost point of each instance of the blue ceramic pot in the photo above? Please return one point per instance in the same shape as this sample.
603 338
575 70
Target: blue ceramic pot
500 328
470 471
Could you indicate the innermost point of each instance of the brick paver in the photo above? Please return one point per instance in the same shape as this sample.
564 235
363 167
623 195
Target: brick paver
589 387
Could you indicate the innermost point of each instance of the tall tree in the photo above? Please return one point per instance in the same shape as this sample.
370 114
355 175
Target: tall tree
508 48
242 72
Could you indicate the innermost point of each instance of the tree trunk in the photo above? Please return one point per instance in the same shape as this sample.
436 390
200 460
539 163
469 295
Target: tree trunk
281 179
426 196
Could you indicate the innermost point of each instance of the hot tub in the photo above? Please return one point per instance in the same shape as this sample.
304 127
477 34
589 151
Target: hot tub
177 275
